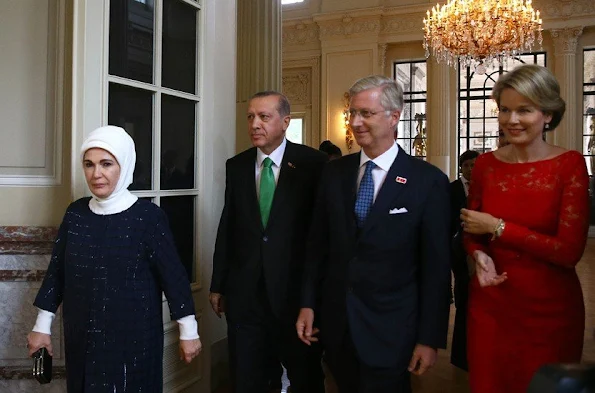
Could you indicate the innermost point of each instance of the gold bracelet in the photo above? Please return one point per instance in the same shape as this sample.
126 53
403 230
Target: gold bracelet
498 229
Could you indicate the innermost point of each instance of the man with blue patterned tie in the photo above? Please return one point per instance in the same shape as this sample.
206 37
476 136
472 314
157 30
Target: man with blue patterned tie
259 252
377 264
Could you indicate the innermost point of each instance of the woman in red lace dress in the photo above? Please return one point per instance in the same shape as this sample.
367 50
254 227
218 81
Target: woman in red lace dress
526 224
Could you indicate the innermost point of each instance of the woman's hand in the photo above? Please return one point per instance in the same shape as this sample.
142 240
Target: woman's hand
478 223
36 341
486 270
189 349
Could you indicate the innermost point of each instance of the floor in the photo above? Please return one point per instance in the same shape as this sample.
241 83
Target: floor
444 378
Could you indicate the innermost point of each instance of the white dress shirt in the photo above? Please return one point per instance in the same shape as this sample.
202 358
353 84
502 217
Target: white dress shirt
276 156
383 163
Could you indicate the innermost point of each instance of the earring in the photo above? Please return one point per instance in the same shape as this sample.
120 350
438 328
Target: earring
547 126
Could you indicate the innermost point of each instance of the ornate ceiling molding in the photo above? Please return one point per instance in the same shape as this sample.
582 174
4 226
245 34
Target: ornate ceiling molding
391 24
349 26
563 9
409 23
296 86
300 32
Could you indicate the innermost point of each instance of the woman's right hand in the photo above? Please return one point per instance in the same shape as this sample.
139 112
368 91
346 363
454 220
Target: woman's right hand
486 270
36 341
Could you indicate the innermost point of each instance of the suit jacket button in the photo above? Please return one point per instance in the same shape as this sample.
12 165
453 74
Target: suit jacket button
265 239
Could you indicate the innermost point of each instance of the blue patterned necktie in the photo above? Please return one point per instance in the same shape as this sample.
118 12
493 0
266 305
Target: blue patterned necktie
365 195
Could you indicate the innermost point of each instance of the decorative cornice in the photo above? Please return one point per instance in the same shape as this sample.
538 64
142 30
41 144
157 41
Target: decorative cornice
391 22
349 26
359 13
301 32
27 240
557 9
410 23
566 40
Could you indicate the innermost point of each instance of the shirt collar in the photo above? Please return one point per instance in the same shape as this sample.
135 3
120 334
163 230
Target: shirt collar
276 155
464 180
383 161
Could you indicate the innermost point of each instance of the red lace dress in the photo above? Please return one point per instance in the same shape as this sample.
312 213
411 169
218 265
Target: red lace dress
537 316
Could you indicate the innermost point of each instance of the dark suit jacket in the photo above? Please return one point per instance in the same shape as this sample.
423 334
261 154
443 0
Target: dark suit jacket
458 201
388 284
246 253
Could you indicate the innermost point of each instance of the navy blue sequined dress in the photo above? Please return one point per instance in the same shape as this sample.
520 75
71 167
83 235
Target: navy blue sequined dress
109 271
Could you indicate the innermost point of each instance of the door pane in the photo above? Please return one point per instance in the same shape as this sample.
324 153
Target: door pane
295 131
177 143
411 131
131 39
179 46
132 109
180 213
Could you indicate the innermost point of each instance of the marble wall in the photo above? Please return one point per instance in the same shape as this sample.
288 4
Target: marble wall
24 256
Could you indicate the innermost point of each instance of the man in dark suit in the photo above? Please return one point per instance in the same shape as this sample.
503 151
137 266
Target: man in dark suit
259 252
459 189
378 268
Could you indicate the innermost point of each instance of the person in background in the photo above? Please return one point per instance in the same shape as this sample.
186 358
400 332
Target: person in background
259 252
459 189
112 260
331 149
526 227
377 277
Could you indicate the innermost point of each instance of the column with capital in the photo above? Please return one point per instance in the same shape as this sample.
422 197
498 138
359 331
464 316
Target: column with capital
565 44
258 56
441 115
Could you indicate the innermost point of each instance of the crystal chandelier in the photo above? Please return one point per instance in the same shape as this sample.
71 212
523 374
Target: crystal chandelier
479 32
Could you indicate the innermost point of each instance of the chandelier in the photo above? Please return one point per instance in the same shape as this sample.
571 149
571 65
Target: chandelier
479 32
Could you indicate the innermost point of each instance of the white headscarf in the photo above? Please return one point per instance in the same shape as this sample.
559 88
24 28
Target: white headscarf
118 143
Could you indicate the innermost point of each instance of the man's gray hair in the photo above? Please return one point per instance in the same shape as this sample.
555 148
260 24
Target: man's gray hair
391 98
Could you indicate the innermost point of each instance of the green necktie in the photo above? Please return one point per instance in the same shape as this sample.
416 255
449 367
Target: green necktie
267 190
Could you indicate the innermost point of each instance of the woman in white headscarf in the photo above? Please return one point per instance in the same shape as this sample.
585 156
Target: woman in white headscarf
112 259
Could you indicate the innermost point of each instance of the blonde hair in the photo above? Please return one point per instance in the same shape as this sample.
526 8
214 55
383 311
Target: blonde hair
537 84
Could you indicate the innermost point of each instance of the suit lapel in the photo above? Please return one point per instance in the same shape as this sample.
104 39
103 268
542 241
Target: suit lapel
349 189
247 176
394 184
463 198
284 183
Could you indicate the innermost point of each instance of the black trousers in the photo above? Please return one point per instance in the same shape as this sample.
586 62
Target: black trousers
253 347
259 339
352 376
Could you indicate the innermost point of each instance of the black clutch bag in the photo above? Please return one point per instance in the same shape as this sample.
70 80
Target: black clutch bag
42 366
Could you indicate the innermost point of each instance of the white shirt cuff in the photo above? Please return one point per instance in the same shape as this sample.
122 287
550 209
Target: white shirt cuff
188 328
43 324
